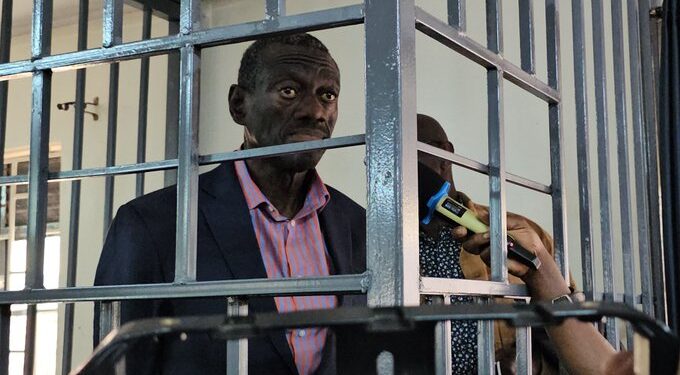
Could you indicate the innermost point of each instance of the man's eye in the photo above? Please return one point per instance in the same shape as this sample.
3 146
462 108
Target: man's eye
288 92
328 96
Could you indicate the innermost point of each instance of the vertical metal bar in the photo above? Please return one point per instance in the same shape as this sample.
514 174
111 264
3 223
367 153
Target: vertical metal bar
189 16
608 258
237 350
640 151
485 345
5 47
523 351
526 36
109 317
275 9
392 223
38 167
582 142
172 107
5 316
622 158
499 269
143 102
456 10
112 23
650 117
558 194
111 135
443 359
74 216
187 178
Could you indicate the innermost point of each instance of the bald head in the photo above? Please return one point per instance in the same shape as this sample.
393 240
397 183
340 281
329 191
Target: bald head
432 133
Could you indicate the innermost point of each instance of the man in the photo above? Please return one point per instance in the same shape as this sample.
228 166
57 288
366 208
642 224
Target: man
260 218
442 255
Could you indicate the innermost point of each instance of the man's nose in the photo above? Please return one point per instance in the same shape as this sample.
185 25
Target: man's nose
311 108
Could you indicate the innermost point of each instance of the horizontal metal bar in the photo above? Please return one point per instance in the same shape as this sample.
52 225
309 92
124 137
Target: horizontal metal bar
476 166
340 284
343 16
466 46
263 152
435 285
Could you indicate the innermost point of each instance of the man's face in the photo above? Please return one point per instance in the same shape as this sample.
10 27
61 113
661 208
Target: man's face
295 99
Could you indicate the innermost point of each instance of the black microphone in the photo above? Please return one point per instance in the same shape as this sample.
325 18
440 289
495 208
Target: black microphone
433 196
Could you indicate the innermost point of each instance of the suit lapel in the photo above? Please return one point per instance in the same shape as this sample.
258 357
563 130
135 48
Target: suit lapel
228 217
336 232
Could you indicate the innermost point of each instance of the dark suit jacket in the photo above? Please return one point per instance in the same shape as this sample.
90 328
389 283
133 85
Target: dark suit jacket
140 249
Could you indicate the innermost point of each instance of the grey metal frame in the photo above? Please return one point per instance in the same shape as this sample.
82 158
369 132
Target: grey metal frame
393 275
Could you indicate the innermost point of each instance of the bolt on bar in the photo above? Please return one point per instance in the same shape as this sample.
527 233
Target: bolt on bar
74 214
391 215
526 36
499 270
5 47
275 9
640 151
649 78
143 102
112 23
582 146
456 13
38 167
558 193
603 160
622 158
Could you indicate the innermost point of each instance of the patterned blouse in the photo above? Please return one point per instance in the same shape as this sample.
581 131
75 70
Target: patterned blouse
440 257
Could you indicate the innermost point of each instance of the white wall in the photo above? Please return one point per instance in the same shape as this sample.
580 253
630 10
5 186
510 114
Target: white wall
450 88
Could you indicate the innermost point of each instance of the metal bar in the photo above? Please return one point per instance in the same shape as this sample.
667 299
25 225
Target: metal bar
189 16
523 356
5 316
325 19
262 152
485 345
498 231
608 258
340 284
556 146
476 166
461 43
187 171
391 215
111 136
456 12
237 350
275 9
172 107
640 152
460 287
74 215
143 103
582 144
622 158
526 36
112 23
109 317
29 345
649 92
5 47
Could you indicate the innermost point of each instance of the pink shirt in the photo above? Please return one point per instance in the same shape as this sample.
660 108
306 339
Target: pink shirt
293 248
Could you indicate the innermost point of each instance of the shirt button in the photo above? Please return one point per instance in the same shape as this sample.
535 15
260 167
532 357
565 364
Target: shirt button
302 333
292 222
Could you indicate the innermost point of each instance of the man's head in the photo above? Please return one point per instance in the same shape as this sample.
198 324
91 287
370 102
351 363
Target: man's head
287 92
432 133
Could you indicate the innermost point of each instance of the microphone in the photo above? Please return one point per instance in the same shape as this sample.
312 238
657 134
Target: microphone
433 196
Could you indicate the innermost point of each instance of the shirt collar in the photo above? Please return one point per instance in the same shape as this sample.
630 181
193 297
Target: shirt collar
316 199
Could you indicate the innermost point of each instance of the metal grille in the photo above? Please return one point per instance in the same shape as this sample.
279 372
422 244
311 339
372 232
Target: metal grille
391 145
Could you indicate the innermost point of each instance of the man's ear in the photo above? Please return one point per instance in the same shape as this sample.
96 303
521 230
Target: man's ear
237 107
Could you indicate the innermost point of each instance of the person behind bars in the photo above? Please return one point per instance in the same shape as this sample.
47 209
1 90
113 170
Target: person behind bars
259 218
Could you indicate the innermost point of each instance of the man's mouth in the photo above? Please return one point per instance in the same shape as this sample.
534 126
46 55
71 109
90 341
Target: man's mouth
301 135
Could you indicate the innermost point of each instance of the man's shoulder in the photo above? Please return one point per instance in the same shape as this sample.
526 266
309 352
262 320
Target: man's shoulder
344 202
